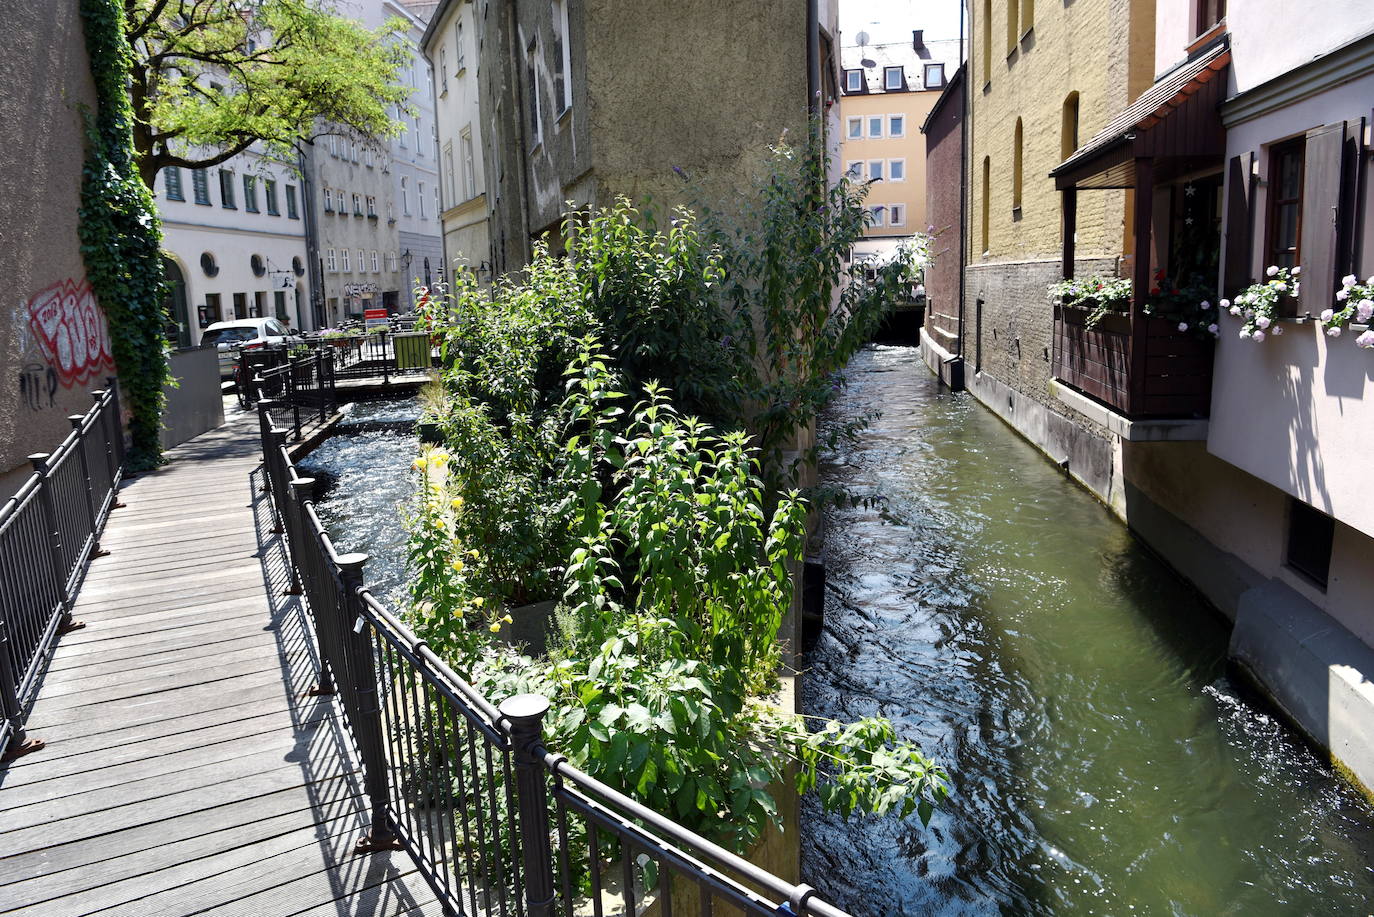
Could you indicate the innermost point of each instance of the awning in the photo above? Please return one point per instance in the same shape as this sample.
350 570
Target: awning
1177 117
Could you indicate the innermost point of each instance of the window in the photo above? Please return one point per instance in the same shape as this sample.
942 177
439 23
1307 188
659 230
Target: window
371 206
875 126
896 126
896 215
419 147
376 268
469 165
420 198
1209 13
240 305
532 99
450 178
443 71
343 252
562 57
1013 26
279 302
459 49
200 186
362 265
879 215
171 180
934 76
357 205
214 307
896 170
226 189
853 81
855 170
269 190
1285 203
331 260
875 170
893 78
856 128
334 145
291 212
369 158
1310 533
987 193
987 41
328 200
1027 15
436 200
250 193
1068 130
1016 170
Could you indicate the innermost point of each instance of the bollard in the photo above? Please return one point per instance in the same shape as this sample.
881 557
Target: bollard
524 716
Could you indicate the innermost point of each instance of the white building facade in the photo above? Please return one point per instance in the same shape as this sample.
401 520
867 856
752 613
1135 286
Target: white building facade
234 235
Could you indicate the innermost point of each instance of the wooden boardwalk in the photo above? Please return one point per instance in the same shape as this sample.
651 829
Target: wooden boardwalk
187 771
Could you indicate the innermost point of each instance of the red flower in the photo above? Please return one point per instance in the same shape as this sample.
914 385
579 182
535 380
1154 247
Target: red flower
1154 291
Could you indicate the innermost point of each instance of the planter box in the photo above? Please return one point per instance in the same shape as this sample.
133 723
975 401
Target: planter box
1175 367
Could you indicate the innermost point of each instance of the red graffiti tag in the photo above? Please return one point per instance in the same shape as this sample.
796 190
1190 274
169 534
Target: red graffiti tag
71 331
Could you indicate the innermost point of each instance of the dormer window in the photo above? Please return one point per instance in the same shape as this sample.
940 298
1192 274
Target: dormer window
935 76
892 78
853 81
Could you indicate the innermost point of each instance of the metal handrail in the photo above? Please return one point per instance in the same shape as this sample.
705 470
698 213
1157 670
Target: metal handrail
49 531
439 758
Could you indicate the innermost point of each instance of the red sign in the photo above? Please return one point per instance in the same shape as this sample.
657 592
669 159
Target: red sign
374 313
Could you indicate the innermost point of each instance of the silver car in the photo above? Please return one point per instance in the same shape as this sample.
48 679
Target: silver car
244 333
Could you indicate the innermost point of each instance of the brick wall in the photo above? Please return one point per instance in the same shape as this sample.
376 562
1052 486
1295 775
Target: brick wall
944 157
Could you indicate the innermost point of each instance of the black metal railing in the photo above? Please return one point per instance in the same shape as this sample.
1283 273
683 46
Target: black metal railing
497 823
302 390
49 531
379 354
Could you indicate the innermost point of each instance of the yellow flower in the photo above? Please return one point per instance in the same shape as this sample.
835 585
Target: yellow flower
419 463
459 612
457 502
457 566
473 554
495 627
507 619
477 602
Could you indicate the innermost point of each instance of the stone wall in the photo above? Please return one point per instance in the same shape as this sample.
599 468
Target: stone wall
54 345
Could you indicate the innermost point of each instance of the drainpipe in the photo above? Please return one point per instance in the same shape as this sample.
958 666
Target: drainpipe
516 52
964 165
306 164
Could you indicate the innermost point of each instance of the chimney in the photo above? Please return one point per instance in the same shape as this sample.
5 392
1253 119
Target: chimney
916 40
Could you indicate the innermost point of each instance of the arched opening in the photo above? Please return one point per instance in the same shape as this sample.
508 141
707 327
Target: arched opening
1016 170
1013 26
987 192
1068 132
178 330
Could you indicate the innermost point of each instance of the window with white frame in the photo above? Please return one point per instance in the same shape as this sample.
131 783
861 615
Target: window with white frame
436 200
443 71
896 125
562 57
420 194
334 145
469 165
171 179
376 264
368 159
450 179
362 265
371 206
331 259
934 76
459 50
853 81
855 170
896 215
357 205
343 252
875 170
875 127
896 170
879 215
536 122
892 78
856 127
405 195
328 200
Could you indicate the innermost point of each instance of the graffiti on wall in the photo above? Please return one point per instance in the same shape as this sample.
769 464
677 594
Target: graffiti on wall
38 386
70 331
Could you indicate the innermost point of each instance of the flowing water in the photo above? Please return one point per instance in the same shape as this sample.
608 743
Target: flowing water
1102 761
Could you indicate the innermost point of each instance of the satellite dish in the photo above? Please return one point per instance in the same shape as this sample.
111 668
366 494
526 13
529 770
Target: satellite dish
861 38
868 63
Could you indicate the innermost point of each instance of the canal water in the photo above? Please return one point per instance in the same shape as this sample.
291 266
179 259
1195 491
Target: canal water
1102 761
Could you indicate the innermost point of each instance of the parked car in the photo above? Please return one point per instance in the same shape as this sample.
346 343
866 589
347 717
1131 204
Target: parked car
244 334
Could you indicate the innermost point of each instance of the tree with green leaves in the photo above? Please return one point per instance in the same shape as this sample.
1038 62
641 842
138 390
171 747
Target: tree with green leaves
211 78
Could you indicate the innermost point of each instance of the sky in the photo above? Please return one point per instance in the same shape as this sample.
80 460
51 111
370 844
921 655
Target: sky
893 20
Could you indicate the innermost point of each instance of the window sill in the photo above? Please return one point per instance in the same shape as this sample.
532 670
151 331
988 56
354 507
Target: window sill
1206 38
1029 33
563 116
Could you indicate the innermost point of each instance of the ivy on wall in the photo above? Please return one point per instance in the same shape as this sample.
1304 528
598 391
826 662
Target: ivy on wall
121 236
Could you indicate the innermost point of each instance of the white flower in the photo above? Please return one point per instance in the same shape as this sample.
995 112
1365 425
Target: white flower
1296 271
1365 340
1326 315
1342 295
1182 326
1281 287
1258 336
1364 309
1263 321
1334 331
1271 271
1369 281
1235 310
1296 287
1226 303
1244 335
1276 330
1212 329
1207 305
1349 280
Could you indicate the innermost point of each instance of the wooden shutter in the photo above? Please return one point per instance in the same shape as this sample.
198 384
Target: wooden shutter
1321 197
1349 228
1240 224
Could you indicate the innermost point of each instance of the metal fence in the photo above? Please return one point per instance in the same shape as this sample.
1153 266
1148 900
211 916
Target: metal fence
302 390
379 354
49 530
497 823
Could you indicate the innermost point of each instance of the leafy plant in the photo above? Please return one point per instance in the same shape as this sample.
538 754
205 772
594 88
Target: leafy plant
1102 294
121 236
1189 307
1356 302
1258 304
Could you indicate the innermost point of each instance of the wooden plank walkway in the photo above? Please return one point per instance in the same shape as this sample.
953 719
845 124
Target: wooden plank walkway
187 771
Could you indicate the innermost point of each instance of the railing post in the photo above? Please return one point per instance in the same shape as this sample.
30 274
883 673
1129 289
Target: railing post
109 416
19 741
76 421
319 383
264 428
525 715
276 487
43 493
386 364
112 386
293 397
362 674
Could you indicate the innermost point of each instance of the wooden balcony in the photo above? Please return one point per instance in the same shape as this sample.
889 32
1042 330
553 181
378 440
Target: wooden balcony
1170 375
